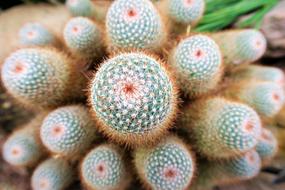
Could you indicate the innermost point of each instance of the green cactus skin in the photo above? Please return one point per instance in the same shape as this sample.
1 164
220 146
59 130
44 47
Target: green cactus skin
258 72
40 77
166 166
23 147
35 34
221 128
104 168
140 26
187 12
240 46
267 145
197 62
267 98
83 37
211 173
68 131
52 174
133 99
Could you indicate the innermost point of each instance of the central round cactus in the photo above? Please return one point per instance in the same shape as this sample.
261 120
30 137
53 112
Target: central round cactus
169 165
52 174
185 11
35 34
104 168
221 128
134 98
41 77
83 37
198 64
140 25
68 131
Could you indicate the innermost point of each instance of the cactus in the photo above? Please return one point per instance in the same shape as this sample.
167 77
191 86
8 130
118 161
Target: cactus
140 26
240 46
168 165
83 37
52 174
187 12
221 128
133 98
41 77
104 168
23 147
81 8
68 131
267 98
35 34
258 72
267 145
197 62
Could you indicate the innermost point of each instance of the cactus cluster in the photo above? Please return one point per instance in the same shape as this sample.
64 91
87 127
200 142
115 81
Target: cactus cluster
126 99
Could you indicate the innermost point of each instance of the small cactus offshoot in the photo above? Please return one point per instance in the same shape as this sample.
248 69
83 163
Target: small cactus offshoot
104 167
267 145
166 166
81 8
140 26
221 128
68 131
53 174
197 61
133 98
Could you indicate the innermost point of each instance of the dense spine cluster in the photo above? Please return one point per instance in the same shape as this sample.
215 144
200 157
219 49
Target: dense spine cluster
140 27
221 128
23 147
68 131
197 62
53 174
133 98
35 34
267 98
104 167
83 37
240 46
166 166
41 77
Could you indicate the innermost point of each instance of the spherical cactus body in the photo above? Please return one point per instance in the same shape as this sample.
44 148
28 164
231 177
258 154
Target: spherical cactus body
262 73
68 131
240 46
267 145
267 98
81 8
133 98
41 77
23 147
140 26
197 62
221 128
35 34
168 165
83 37
52 174
104 167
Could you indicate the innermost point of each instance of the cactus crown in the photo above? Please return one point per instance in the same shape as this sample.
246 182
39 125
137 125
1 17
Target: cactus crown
103 168
198 60
37 76
23 148
52 174
81 35
67 130
267 145
80 7
35 34
140 25
169 165
186 11
132 94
